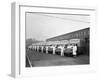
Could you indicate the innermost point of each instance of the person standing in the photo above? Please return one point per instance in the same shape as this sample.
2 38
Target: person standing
53 47
46 49
42 48
62 50
74 50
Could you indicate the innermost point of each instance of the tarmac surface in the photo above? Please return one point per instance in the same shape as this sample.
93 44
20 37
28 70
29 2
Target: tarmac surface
39 59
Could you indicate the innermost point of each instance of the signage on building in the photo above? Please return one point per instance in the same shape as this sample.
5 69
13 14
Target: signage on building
74 40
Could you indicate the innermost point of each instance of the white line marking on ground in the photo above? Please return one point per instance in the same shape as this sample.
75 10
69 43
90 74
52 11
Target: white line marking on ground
29 61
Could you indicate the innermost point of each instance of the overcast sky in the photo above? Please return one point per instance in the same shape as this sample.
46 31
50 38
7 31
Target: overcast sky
43 26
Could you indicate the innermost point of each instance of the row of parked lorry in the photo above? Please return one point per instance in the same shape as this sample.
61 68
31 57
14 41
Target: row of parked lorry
64 47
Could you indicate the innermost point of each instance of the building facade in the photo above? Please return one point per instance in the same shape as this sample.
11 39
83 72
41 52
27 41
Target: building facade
83 35
80 34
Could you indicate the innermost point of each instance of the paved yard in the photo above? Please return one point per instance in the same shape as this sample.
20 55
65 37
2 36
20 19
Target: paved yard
42 59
